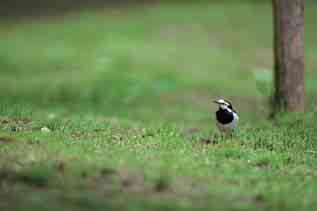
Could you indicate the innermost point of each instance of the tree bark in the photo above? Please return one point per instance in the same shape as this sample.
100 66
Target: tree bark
288 16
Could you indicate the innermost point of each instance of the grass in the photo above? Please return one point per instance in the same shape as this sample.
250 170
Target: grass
126 95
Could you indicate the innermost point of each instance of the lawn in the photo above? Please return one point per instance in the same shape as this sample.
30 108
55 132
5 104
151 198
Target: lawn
112 109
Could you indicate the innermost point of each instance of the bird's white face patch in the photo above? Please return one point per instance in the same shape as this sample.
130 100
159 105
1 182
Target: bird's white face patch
222 103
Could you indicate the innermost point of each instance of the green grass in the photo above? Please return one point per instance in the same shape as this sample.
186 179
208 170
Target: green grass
126 94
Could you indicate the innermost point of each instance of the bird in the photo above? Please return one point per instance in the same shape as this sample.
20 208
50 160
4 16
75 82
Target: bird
226 117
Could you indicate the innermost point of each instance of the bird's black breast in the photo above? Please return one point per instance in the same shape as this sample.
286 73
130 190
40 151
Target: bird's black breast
224 116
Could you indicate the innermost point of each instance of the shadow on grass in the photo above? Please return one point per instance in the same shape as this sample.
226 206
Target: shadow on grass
12 9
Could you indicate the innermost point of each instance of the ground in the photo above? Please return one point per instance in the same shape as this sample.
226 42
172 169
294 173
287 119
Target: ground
113 109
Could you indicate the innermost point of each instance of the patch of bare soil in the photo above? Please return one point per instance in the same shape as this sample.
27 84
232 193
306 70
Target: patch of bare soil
109 182
10 176
16 124
259 201
7 140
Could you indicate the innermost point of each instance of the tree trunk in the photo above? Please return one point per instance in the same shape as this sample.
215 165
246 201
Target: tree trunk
289 55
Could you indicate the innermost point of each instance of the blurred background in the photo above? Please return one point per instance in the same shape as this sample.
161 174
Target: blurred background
142 60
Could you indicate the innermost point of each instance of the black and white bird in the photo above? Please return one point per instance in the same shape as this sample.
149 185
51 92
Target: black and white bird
226 117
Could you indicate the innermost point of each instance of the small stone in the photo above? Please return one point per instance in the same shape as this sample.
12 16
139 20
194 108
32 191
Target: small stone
45 130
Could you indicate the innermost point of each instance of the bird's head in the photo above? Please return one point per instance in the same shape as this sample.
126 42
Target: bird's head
223 104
